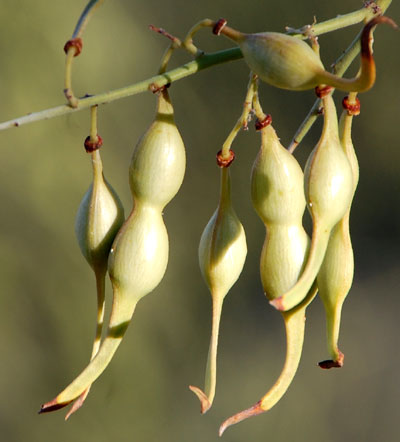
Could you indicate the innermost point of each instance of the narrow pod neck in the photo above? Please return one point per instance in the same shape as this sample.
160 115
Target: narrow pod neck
164 105
233 34
97 165
225 188
330 128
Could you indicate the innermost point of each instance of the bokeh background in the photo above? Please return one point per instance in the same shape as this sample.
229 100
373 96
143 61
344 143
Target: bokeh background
47 297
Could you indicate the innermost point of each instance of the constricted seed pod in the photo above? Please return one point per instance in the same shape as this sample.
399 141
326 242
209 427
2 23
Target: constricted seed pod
289 63
222 253
99 217
139 254
278 197
328 182
335 276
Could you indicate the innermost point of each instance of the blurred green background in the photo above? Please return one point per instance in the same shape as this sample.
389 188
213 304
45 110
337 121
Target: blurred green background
47 295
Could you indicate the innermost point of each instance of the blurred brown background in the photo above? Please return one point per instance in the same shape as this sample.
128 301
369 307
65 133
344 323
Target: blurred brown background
47 293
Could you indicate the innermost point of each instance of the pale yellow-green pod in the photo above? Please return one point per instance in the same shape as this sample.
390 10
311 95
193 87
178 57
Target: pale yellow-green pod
287 62
277 193
139 254
278 196
161 152
328 182
222 253
99 217
335 276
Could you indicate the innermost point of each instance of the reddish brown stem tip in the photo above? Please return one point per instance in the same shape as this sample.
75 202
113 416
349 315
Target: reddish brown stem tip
205 404
366 34
163 32
330 363
238 417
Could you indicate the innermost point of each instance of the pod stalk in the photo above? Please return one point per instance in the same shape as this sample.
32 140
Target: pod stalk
100 289
206 398
121 314
294 326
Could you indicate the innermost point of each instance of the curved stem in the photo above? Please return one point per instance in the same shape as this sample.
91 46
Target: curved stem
340 67
188 41
85 17
68 92
243 119
203 62
72 51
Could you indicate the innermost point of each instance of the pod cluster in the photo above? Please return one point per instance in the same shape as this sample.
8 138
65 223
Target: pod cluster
134 251
294 266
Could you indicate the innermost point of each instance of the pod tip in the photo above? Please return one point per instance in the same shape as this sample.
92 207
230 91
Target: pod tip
205 404
332 363
53 406
242 415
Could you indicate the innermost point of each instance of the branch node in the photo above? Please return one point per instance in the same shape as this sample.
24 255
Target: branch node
352 108
76 43
91 146
219 25
225 162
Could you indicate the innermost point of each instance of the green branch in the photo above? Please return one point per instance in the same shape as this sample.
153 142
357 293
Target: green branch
202 62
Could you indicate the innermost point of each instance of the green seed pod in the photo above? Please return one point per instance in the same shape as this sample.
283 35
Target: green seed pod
278 197
289 63
160 149
99 217
329 189
222 253
336 273
139 254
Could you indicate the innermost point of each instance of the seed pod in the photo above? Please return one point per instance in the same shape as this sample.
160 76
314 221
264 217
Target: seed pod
278 197
139 254
329 188
336 273
289 63
222 253
99 217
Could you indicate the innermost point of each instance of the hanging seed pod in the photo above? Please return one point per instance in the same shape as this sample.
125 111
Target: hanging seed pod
336 273
139 254
328 181
99 217
278 197
289 63
222 253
